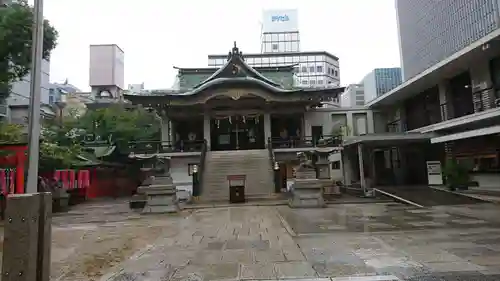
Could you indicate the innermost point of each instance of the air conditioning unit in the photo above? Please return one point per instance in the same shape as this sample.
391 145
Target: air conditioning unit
497 102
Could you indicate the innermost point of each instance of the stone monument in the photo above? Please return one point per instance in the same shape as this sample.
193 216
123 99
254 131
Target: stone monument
323 171
307 191
161 195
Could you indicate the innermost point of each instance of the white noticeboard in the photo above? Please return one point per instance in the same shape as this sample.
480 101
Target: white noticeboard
434 173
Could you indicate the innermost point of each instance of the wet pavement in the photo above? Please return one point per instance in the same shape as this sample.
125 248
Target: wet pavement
428 197
363 242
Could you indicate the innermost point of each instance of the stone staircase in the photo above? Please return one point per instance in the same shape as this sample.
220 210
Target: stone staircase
255 164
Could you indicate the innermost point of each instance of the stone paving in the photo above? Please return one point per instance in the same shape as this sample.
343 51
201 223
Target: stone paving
363 242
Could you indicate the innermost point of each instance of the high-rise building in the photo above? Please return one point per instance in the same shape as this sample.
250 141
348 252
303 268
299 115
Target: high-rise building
280 31
380 81
280 46
430 30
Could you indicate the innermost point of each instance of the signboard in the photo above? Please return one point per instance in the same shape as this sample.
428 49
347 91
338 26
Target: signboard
434 173
280 21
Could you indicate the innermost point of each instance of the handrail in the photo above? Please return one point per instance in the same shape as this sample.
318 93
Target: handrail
306 141
156 146
201 165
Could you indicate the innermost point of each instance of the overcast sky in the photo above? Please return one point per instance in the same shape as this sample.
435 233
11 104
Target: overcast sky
159 34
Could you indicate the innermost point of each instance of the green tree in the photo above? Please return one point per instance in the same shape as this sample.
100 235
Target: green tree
120 124
16 26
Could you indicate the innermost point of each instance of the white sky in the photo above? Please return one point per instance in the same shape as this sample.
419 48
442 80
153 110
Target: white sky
158 34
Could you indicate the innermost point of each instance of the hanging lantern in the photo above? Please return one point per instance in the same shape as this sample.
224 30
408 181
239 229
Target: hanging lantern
244 120
230 121
218 123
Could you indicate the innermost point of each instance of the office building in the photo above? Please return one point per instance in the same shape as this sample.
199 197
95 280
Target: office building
20 90
280 32
430 31
380 81
281 47
354 95
312 69
449 109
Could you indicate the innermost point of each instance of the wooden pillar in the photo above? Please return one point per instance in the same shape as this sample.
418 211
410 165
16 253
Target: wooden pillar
20 159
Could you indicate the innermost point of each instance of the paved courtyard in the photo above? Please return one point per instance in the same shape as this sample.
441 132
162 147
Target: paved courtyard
362 241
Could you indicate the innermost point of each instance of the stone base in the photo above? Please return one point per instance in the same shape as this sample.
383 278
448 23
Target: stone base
307 194
160 199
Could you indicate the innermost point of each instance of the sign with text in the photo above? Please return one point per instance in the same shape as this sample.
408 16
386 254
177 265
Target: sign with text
280 21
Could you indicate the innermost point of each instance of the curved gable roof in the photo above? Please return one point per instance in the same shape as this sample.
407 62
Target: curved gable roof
236 67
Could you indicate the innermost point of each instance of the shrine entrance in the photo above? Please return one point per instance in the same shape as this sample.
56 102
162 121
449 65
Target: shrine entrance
237 132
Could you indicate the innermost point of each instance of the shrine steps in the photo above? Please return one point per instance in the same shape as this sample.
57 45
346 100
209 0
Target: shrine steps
254 164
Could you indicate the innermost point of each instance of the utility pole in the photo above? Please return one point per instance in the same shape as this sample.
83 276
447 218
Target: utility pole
35 92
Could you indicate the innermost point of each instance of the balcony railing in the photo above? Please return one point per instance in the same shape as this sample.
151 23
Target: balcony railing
306 141
154 146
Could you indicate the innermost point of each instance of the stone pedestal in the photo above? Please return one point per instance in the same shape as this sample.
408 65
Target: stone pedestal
307 190
324 172
161 196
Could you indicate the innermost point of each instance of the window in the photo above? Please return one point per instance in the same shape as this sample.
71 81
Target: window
304 69
320 81
312 82
275 47
336 165
319 68
305 82
51 99
311 69
336 73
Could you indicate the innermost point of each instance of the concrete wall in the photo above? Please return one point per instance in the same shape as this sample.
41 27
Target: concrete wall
334 117
379 122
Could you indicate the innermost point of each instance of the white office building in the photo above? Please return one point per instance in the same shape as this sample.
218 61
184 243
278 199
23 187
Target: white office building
354 95
280 46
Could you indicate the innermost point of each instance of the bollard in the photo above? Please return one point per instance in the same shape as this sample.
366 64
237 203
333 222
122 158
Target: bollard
27 237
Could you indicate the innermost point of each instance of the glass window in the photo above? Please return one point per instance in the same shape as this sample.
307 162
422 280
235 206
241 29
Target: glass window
281 37
311 58
296 59
288 60
265 61
275 47
304 69
281 60
295 46
295 36
274 37
319 68
267 37
320 58
305 82
273 60
303 58
250 60
312 82
336 73
258 60
281 47
311 69
320 81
